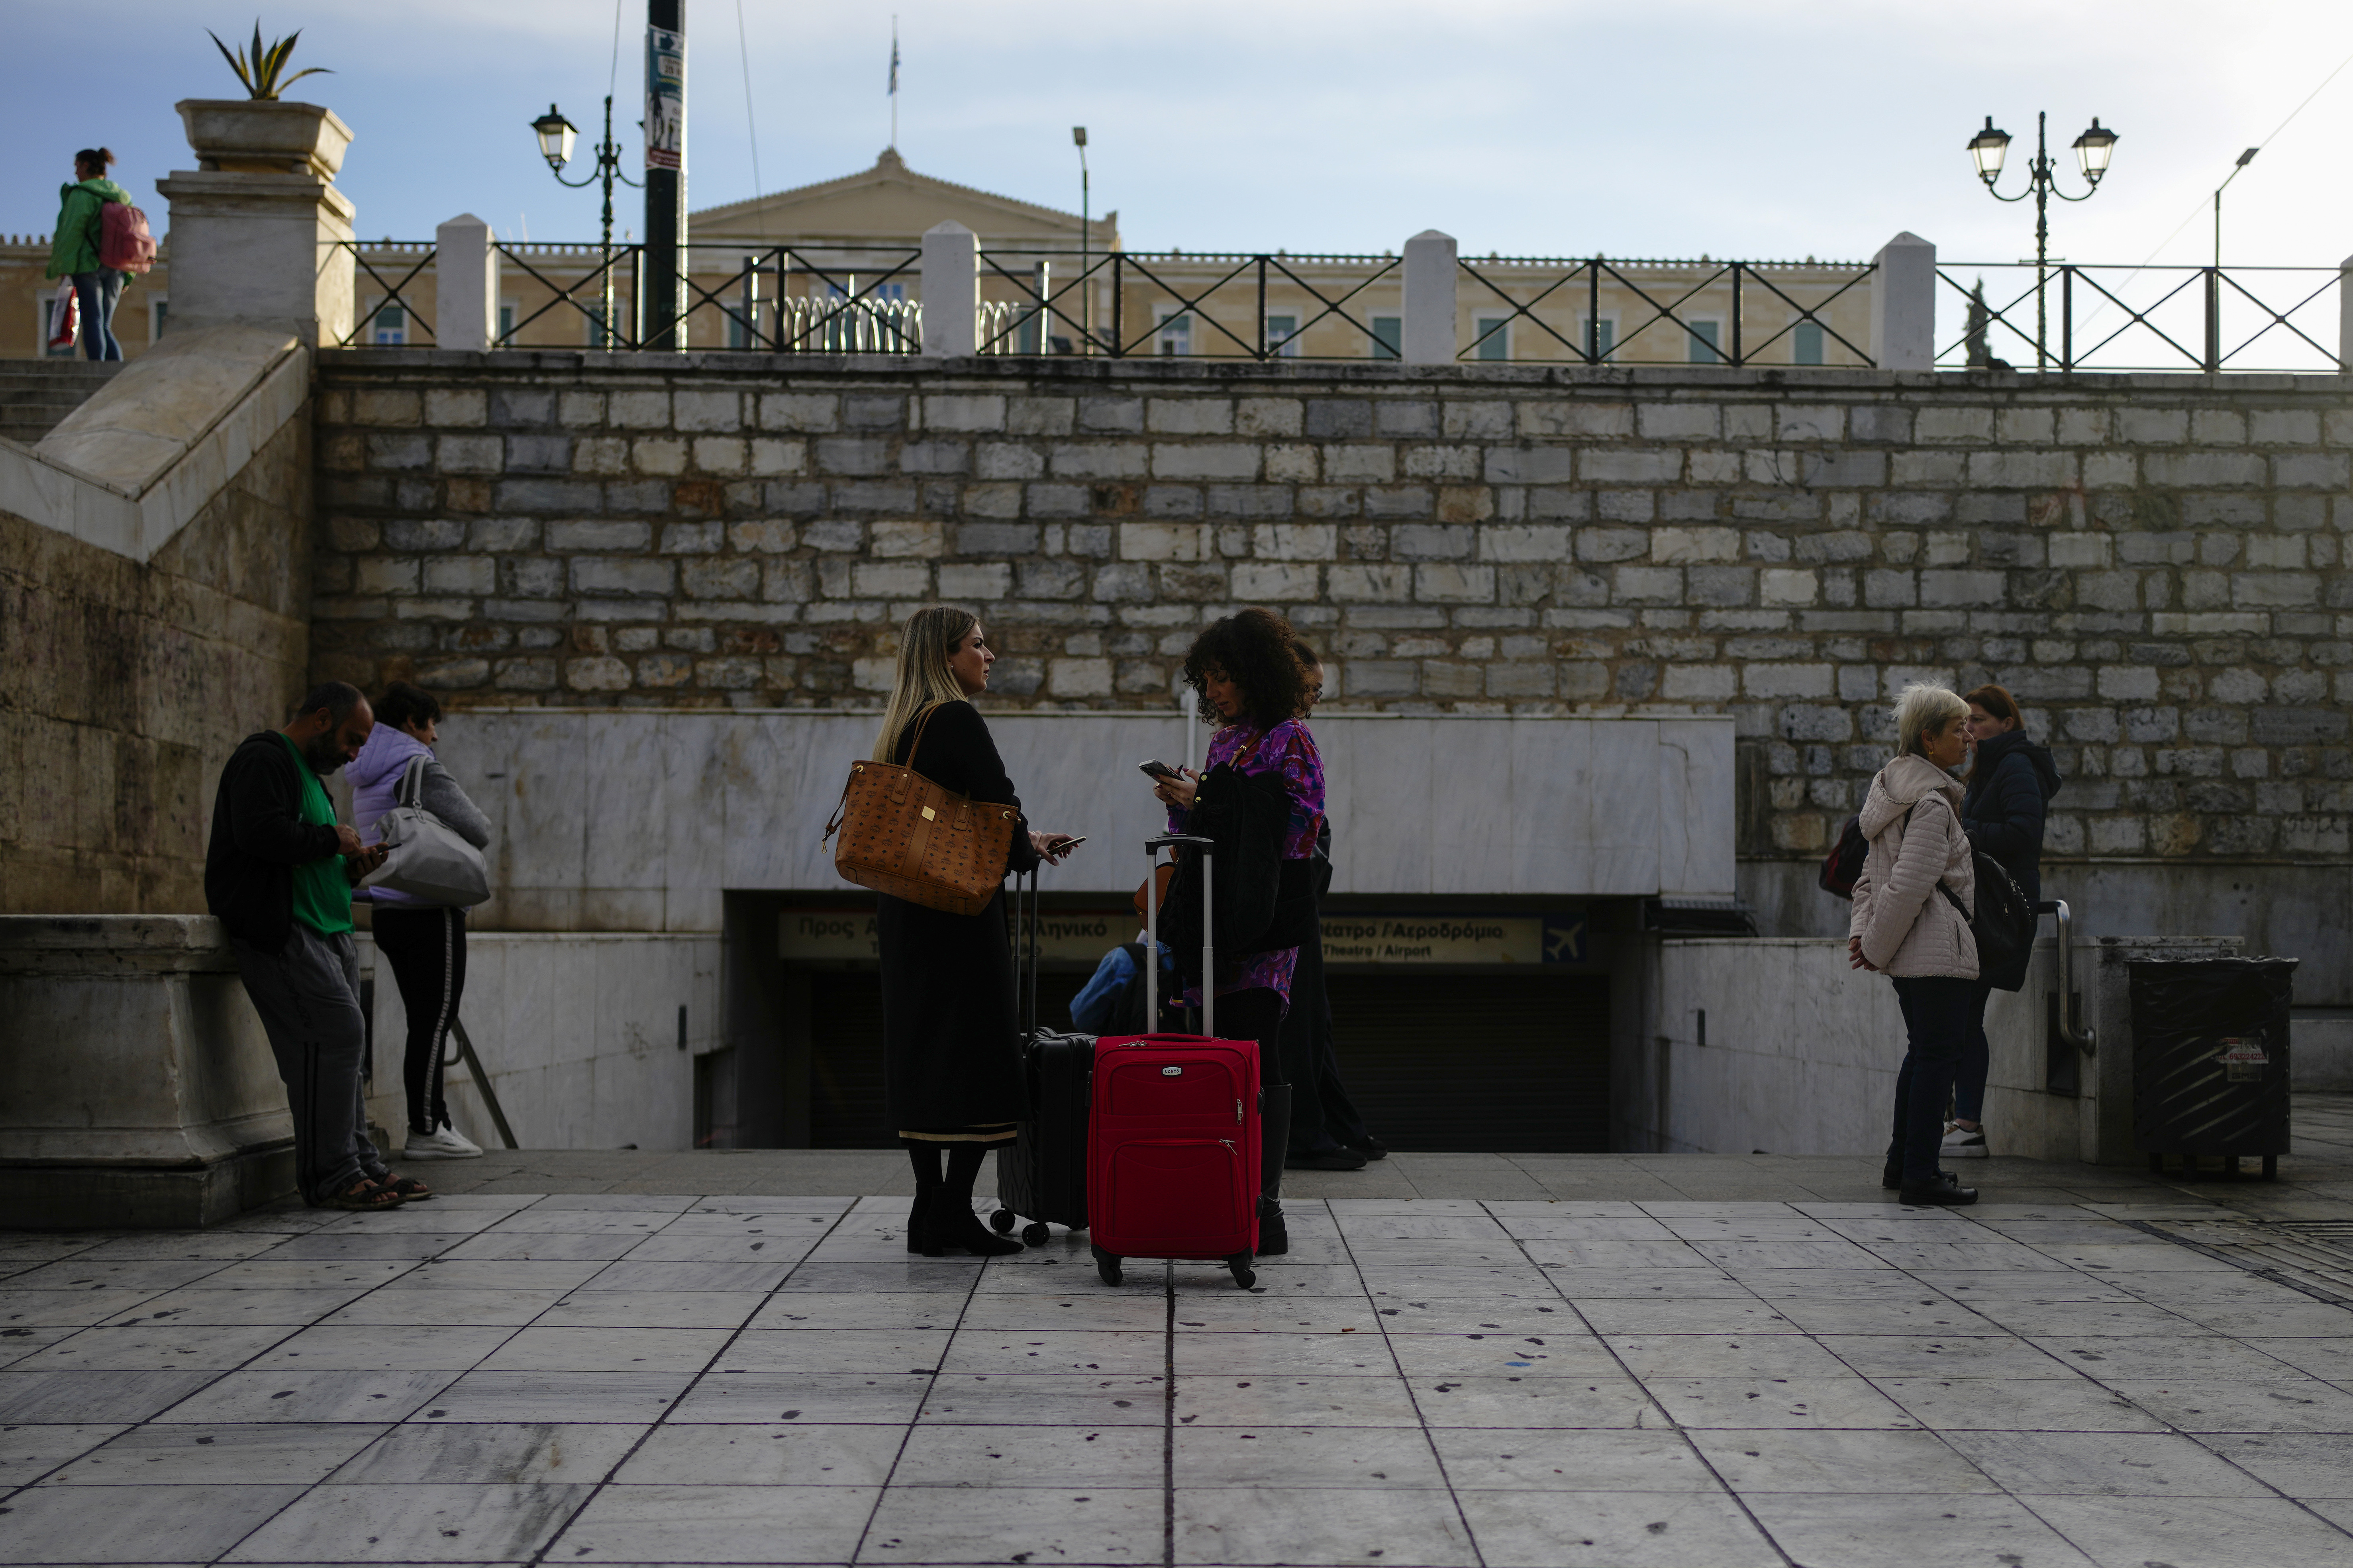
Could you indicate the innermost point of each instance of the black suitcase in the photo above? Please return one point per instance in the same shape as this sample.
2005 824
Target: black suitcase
1044 1172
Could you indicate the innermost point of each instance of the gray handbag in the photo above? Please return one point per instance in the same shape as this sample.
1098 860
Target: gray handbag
428 859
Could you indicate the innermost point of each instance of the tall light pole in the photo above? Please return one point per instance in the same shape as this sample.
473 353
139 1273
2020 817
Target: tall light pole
555 134
2245 158
2093 150
1087 284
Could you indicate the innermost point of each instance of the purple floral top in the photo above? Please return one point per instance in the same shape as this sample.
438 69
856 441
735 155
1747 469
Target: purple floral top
1288 750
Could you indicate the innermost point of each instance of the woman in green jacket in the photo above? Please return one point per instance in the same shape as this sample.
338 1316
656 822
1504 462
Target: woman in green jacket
74 252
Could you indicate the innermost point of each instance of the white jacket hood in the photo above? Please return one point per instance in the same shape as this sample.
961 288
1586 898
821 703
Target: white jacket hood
1901 785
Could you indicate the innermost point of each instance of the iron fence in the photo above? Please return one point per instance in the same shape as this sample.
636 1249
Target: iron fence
369 322
1704 312
2090 317
608 309
1263 306
1254 305
853 299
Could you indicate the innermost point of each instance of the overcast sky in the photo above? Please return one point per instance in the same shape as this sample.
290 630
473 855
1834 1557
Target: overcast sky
1532 127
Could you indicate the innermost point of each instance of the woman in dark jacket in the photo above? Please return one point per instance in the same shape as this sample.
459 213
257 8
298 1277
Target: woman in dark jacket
1247 672
952 1071
2011 782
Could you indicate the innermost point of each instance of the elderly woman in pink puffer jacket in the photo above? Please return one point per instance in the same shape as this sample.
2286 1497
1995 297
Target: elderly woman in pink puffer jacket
1911 922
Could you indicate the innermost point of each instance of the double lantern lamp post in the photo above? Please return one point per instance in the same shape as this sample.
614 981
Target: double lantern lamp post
555 139
2094 148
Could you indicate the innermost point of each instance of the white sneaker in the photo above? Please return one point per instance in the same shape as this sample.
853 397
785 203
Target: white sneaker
1960 1143
445 1143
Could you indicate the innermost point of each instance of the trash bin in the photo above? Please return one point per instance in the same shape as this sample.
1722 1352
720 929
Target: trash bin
2211 1059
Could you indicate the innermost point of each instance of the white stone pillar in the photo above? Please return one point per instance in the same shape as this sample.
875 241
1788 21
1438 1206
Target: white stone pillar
2345 317
1904 305
1431 312
951 292
465 285
255 227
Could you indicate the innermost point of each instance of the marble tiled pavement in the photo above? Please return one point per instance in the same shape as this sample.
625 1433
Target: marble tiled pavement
615 1376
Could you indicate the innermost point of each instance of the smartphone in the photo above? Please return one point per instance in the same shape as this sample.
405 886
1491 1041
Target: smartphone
1159 770
1064 846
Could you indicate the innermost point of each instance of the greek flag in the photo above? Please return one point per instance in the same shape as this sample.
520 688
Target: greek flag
894 57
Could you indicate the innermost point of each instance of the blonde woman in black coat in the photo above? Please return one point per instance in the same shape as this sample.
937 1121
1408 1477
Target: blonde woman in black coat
952 1074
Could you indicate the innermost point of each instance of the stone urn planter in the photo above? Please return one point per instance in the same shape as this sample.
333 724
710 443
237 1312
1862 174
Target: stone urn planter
264 136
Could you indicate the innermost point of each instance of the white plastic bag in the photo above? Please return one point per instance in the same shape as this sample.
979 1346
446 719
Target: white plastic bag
65 316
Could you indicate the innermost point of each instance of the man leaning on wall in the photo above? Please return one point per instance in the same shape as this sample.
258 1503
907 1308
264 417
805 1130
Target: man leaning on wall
279 872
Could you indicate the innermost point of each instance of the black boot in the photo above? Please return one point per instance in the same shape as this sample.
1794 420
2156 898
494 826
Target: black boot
1274 1137
924 1156
1945 1192
952 1223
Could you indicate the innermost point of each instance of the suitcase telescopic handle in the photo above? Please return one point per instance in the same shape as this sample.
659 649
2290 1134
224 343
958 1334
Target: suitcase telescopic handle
1152 848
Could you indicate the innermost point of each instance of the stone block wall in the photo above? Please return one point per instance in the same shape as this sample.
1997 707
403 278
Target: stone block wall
2154 564
124 686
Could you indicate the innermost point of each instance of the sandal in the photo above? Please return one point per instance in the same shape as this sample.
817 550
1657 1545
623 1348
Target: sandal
367 1195
410 1189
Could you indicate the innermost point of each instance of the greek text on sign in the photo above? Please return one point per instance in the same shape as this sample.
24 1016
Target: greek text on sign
1063 935
1454 939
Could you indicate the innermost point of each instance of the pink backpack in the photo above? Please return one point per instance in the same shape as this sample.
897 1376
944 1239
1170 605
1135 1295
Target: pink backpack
123 243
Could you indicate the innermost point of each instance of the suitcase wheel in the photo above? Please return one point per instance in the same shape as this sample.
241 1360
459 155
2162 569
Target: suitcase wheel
1107 1265
1244 1275
1001 1220
1036 1233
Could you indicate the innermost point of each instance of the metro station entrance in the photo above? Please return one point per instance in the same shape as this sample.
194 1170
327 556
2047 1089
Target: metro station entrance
1494 1036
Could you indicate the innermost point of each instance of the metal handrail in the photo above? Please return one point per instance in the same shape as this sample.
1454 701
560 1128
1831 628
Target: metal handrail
2070 1030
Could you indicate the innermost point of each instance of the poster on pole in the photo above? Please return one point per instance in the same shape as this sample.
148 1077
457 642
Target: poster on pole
665 97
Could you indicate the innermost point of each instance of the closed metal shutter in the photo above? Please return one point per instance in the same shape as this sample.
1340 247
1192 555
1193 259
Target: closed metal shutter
1508 1063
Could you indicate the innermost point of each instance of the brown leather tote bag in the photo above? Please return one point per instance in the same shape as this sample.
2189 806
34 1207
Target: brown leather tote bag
907 837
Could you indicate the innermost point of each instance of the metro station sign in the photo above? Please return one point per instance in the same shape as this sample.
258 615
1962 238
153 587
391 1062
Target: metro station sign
1083 936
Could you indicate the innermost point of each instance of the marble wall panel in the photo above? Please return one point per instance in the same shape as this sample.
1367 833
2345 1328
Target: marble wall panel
579 1033
1386 842
1802 1053
1624 825
620 821
1551 805
1696 811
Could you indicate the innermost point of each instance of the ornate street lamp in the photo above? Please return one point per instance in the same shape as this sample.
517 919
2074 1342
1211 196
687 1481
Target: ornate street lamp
1086 284
2094 148
555 135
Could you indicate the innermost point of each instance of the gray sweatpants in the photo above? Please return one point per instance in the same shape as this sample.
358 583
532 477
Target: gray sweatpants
308 995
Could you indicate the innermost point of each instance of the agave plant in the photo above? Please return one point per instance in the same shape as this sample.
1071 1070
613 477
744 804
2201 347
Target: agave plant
260 75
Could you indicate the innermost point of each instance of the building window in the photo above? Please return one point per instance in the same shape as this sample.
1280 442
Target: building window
389 328
1282 336
506 320
1176 331
595 314
1806 344
1388 336
1494 339
158 312
740 334
1706 338
1597 337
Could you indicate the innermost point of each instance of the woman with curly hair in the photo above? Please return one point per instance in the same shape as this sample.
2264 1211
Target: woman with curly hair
1246 671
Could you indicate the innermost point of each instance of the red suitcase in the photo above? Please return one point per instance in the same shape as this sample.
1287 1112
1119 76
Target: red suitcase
1173 1131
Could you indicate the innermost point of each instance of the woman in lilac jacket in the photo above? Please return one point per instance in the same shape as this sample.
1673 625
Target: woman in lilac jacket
425 942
